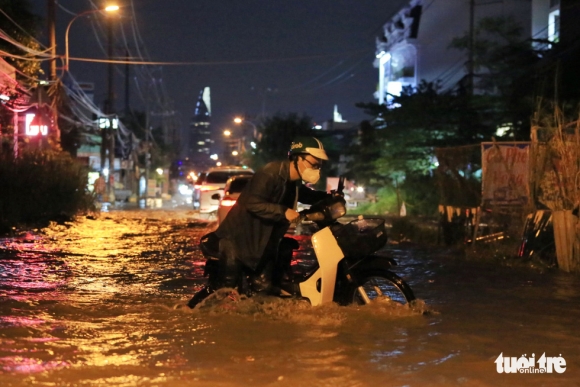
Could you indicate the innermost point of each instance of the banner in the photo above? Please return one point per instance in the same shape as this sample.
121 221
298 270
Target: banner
505 173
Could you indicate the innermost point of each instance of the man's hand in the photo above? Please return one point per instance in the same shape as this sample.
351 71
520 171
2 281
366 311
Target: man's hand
334 194
292 215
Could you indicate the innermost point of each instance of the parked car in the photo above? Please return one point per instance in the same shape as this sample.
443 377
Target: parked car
232 190
214 182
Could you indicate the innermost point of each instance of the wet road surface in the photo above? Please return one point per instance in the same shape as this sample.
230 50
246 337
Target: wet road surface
99 302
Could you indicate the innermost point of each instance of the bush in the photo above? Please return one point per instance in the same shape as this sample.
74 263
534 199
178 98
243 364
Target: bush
385 203
419 194
41 186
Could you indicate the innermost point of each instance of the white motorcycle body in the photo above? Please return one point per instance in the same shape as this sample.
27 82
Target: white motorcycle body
328 254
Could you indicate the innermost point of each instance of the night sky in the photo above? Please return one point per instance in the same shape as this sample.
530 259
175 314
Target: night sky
258 56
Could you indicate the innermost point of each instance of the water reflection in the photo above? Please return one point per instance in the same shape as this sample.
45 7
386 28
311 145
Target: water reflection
19 364
68 293
32 272
98 303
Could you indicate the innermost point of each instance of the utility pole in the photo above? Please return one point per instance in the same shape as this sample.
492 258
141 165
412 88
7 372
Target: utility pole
109 111
470 62
51 9
52 37
125 163
127 83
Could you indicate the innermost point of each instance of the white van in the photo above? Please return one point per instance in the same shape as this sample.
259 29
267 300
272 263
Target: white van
215 181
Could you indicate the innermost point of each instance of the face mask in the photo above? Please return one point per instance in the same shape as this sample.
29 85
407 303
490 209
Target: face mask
311 175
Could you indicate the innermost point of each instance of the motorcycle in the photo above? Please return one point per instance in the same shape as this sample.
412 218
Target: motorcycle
327 261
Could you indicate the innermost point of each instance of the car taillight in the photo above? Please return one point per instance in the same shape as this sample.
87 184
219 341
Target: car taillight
228 202
209 187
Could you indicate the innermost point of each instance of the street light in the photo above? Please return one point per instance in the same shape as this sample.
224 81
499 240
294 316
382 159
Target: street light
255 134
240 120
110 8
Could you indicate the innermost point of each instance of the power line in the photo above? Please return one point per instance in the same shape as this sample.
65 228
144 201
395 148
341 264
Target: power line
208 63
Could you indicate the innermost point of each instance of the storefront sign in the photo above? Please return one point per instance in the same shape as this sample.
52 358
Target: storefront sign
505 173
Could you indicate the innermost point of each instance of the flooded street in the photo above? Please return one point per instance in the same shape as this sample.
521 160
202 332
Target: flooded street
99 302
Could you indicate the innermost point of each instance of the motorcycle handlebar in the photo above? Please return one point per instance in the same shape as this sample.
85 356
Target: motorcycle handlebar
313 216
321 212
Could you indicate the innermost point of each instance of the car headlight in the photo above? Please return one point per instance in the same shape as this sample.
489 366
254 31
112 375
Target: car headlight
185 190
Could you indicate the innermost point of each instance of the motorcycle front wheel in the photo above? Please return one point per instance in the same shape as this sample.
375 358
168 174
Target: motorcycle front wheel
376 284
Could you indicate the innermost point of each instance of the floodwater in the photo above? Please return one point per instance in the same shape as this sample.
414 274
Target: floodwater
99 302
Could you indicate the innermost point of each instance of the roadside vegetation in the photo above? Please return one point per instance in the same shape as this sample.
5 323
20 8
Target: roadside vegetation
41 186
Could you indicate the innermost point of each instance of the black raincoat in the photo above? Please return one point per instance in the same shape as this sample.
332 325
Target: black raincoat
258 217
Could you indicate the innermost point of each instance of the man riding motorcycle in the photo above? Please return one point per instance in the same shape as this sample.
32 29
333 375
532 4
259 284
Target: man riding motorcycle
251 232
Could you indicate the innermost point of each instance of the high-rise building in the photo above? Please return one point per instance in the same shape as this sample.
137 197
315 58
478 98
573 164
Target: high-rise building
199 138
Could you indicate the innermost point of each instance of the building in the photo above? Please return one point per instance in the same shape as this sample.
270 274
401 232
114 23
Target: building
8 114
556 34
555 21
415 43
7 80
337 122
199 139
26 116
340 133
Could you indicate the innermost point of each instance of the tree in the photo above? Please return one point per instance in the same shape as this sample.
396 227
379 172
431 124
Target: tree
408 132
363 155
506 71
19 23
421 119
275 135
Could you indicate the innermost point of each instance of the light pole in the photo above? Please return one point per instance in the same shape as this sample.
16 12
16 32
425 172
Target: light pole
110 8
109 110
229 143
106 138
255 134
